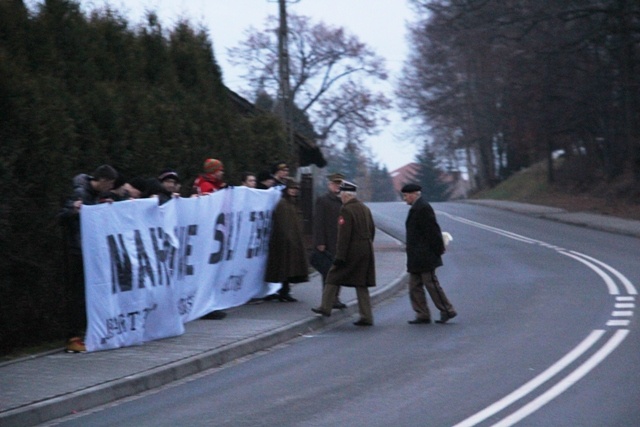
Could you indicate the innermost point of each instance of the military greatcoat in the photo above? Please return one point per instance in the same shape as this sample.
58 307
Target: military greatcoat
356 231
287 259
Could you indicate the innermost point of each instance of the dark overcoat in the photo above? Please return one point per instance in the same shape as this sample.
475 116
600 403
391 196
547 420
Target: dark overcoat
424 238
356 231
287 259
325 221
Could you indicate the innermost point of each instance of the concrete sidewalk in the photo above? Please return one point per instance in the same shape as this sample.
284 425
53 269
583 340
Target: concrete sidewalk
56 384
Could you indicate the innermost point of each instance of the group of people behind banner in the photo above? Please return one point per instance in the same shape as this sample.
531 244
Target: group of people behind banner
107 185
343 235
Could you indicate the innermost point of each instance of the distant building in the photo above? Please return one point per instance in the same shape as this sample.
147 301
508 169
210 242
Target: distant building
403 175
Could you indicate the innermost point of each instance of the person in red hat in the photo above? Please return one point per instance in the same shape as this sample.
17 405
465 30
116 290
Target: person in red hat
211 180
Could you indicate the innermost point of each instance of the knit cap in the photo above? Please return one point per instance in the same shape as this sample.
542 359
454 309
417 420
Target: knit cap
213 166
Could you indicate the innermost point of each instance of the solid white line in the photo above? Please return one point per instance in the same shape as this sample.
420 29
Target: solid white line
535 382
493 229
631 290
613 289
563 385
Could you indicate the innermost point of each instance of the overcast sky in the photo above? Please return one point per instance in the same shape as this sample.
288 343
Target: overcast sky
381 24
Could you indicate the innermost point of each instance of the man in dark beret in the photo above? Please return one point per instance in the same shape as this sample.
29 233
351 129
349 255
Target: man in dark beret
424 254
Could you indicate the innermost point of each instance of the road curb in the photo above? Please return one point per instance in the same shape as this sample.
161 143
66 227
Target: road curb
92 397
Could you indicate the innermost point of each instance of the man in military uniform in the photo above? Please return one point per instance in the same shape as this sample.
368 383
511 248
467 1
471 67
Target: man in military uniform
325 230
354 264
424 254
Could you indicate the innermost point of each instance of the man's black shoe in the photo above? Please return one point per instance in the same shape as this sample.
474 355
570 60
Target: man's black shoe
286 298
339 305
445 317
320 311
419 321
362 323
215 315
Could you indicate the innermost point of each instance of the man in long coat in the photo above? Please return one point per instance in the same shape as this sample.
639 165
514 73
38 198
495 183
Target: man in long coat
424 254
325 229
287 260
354 264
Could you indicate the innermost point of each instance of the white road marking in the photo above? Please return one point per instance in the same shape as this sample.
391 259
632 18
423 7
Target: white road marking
625 305
536 382
613 289
631 290
582 370
618 323
622 313
567 382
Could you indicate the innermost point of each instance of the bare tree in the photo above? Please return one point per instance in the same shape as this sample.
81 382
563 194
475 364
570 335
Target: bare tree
330 73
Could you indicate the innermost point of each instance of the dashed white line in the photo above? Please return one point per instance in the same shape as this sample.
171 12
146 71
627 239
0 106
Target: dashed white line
618 323
622 313
625 305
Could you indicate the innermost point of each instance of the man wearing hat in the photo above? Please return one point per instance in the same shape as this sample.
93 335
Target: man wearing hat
280 172
169 185
211 180
354 264
424 254
265 180
287 259
325 229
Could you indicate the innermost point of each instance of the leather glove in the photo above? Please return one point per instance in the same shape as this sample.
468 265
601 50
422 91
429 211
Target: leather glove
339 262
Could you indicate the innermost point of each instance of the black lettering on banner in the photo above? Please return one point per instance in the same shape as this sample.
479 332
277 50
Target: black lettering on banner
265 232
121 274
227 234
161 248
185 304
218 236
126 322
178 258
234 234
144 264
259 227
234 282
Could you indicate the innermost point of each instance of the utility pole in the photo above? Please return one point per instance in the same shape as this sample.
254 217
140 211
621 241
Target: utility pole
283 72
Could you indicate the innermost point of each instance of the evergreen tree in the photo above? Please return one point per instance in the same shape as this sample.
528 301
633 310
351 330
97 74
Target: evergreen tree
428 175
381 185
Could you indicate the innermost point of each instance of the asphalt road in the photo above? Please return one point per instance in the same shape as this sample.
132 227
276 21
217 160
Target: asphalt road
546 336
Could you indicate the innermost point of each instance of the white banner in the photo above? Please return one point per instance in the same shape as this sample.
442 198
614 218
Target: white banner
149 268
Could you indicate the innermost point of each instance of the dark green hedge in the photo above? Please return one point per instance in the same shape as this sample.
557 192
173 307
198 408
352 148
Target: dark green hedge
77 91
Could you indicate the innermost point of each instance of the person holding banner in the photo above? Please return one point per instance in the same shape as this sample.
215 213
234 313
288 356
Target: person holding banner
248 179
287 260
169 185
265 180
211 180
87 190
